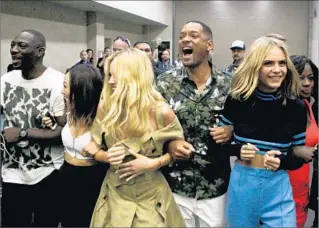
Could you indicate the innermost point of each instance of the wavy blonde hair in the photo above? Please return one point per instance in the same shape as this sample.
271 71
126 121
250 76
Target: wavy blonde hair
127 107
246 78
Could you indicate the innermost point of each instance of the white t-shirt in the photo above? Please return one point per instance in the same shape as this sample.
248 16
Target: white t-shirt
23 100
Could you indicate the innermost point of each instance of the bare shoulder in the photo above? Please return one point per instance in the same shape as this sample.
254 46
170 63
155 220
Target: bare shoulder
167 114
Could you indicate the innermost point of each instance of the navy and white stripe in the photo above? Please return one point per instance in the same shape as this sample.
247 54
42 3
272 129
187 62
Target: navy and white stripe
223 121
267 96
299 139
264 146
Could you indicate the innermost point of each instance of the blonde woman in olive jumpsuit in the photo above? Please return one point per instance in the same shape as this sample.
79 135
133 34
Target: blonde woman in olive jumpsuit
134 122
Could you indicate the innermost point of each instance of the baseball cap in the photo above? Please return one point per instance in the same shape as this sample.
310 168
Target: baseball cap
238 44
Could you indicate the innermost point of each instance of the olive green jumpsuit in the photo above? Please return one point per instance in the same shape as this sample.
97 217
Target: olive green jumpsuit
145 201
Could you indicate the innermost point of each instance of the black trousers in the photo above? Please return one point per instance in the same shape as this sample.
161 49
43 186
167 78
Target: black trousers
32 205
81 188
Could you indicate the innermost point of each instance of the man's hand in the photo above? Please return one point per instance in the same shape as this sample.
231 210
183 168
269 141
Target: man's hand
180 149
305 152
12 134
221 134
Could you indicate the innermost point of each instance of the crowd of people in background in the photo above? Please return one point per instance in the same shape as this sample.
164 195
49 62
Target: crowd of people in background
132 139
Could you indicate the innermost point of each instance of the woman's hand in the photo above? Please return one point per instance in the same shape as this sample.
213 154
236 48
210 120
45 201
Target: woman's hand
270 161
113 156
139 165
90 150
221 134
116 154
248 152
47 121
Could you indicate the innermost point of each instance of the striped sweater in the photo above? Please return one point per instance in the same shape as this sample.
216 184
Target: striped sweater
270 121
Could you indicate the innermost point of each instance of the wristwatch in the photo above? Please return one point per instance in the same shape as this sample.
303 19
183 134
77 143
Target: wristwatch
23 133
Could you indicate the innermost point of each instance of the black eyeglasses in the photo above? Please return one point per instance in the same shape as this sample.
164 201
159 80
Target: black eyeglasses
124 39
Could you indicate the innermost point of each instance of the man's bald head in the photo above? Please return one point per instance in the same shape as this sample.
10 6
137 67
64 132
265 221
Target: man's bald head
39 38
27 49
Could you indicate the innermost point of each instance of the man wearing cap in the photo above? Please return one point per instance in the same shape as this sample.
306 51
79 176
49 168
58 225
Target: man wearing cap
238 50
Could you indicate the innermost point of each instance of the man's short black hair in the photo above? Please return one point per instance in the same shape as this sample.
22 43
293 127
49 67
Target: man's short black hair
206 28
143 42
38 37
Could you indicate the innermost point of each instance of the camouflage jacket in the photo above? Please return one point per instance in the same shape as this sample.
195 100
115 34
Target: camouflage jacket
230 69
206 174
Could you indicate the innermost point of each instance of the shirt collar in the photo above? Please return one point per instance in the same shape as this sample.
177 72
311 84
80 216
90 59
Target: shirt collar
214 71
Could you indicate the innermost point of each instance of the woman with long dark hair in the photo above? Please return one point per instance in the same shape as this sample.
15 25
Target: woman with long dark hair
82 176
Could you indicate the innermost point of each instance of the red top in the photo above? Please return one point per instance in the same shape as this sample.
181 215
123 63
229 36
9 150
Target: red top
312 129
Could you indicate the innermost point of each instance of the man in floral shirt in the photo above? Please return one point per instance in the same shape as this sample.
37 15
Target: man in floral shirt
197 92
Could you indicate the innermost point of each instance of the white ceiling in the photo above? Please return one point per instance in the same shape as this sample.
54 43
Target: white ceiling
108 11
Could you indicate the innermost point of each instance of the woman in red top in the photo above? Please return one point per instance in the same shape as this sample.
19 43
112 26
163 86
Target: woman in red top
299 178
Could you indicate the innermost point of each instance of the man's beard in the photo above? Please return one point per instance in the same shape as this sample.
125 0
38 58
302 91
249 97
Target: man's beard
192 65
27 62
17 67
236 58
237 61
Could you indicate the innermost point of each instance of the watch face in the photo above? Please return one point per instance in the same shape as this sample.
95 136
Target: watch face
23 133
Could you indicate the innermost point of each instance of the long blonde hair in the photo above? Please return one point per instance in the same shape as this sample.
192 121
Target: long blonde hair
127 107
246 78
